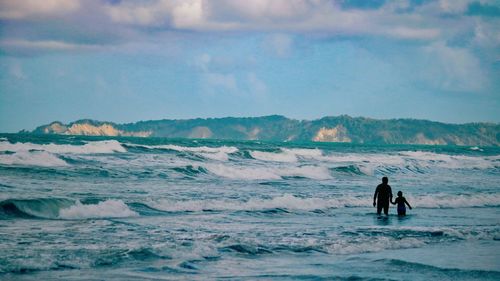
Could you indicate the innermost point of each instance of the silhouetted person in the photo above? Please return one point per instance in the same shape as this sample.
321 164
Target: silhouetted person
383 195
401 201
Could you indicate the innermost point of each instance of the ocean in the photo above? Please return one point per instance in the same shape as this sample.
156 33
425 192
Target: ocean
113 208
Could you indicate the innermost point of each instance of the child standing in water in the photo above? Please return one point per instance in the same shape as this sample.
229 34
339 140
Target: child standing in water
401 201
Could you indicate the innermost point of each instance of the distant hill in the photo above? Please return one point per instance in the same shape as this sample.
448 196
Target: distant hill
279 128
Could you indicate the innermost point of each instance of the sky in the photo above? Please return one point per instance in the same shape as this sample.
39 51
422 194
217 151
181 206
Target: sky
125 61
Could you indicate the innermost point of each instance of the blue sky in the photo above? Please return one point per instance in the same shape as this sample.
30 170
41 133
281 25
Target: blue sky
126 61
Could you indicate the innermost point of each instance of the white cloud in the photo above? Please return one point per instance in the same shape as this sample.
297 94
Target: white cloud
47 45
188 13
19 9
452 69
278 16
413 33
261 10
153 13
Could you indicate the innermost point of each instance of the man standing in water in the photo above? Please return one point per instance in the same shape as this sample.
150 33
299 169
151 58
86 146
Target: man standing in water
383 196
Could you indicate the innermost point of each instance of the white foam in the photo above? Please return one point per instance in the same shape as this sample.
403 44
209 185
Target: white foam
247 173
205 149
287 155
291 202
455 201
430 159
272 156
287 201
106 209
373 158
371 244
219 156
369 162
107 146
305 152
34 158
215 153
268 173
310 171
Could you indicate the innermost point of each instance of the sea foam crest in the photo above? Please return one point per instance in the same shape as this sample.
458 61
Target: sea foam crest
111 208
418 159
291 202
287 154
215 153
268 173
206 149
287 201
94 147
371 244
34 158
455 201
452 161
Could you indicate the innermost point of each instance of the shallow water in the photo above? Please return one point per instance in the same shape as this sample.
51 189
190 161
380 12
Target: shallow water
88 208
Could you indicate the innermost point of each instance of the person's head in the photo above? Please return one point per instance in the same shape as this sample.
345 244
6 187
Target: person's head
385 180
400 193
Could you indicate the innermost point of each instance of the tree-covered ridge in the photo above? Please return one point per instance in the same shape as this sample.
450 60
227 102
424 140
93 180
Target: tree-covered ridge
279 128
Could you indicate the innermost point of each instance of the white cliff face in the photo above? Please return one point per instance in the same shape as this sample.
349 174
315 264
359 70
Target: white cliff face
337 134
55 128
91 130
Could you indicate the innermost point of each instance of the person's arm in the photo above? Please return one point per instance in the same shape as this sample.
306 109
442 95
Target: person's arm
375 196
407 204
390 195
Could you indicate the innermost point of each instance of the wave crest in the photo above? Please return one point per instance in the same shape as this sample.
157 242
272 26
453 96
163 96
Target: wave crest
287 201
58 208
456 201
268 173
111 208
33 158
94 147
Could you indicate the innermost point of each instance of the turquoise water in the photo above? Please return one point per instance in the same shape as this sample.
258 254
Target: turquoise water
88 208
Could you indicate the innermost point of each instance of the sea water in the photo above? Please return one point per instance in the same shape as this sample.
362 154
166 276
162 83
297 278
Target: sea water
89 208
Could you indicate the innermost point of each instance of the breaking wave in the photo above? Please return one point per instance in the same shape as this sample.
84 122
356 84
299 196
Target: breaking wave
58 208
406 162
457 201
46 208
287 201
287 154
33 158
291 202
268 173
214 153
106 209
94 147
204 149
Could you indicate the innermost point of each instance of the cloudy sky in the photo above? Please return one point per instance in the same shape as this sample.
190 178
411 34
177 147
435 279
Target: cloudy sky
125 61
